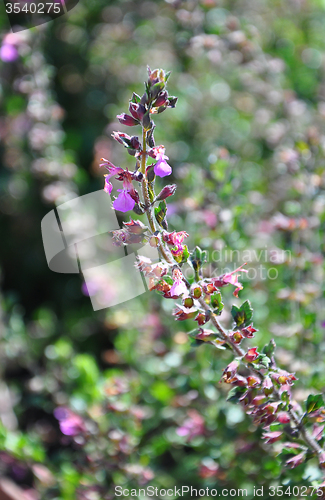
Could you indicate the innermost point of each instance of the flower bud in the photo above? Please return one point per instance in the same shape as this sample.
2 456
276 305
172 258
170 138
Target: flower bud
137 110
127 120
144 99
236 337
156 89
203 318
253 381
154 241
283 417
161 99
135 226
137 209
135 142
271 437
230 372
146 121
267 386
122 138
249 332
167 191
251 355
297 460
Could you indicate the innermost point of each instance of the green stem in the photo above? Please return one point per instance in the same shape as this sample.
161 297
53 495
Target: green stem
146 199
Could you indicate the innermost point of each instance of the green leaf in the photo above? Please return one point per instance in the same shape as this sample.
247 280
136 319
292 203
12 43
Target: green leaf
217 303
135 98
235 394
146 121
242 315
314 402
167 75
269 349
160 212
185 255
198 258
151 192
286 399
156 88
168 280
264 361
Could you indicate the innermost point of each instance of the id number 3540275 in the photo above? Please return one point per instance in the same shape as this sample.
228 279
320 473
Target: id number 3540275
34 8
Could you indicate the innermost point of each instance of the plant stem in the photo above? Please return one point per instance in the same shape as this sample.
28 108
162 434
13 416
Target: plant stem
145 183
146 199
223 333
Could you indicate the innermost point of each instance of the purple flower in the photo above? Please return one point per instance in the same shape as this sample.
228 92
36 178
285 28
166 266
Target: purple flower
113 170
179 286
176 239
124 202
70 423
296 460
8 52
161 168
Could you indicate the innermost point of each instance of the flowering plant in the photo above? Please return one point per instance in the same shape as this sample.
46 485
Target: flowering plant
258 384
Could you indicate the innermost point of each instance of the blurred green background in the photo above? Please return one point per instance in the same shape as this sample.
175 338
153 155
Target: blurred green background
247 143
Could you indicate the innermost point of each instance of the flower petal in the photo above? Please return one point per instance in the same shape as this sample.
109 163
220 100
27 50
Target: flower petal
162 169
124 202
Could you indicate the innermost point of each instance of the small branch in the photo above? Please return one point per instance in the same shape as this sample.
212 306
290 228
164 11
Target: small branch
223 333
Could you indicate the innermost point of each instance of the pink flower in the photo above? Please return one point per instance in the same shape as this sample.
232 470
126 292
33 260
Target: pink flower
113 170
283 417
175 239
124 202
232 278
267 386
230 372
8 53
283 377
296 460
70 423
271 437
251 355
179 286
128 195
192 426
161 168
